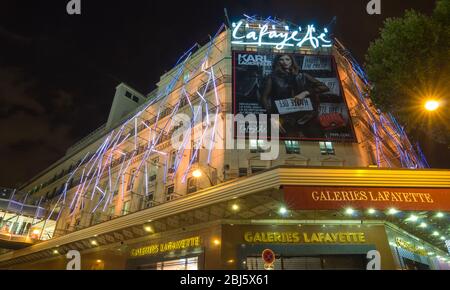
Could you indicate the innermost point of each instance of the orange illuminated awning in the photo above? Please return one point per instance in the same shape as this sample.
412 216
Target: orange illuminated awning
327 198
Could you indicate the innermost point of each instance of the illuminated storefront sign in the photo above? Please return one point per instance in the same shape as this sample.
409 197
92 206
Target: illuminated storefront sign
349 195
165 247
379 198
305 238
270 35
410 247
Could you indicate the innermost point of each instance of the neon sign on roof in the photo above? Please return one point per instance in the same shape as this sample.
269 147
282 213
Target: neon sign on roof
270 35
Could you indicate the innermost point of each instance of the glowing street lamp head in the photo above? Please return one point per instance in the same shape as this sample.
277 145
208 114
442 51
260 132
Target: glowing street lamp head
197 173
148 229
282 210
431 105
349 211
439 215
413 218
392 211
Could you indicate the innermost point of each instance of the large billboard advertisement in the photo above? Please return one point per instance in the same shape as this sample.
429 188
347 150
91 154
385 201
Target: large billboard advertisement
304 90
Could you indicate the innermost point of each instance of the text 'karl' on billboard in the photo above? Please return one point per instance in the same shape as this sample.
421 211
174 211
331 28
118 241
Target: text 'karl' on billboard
304 90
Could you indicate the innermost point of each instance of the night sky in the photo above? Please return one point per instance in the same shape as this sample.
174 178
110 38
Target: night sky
58 73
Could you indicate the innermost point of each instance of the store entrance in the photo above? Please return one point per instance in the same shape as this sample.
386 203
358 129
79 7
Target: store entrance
178 264
413 265
329 262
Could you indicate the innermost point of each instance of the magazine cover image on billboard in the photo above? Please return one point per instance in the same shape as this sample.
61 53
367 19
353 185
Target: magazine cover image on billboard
304 90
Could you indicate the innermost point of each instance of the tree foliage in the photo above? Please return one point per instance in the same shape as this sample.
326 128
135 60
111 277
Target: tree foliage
410 63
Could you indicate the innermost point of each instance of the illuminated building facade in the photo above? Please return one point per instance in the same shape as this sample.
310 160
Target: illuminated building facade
164 184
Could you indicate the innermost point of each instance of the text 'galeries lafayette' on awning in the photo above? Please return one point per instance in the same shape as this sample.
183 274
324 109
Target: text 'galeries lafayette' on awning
329 198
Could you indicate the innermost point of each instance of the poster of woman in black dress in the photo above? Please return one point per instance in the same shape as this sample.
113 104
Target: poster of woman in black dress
294 96
307 97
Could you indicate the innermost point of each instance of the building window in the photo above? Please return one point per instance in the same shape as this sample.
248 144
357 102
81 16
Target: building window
111 212
242 172
192 185
326 148
77 223
126 207
170 189
257 169
153 171
131 97
194 147
60 190
131 179
149 199
172 160
82 204
152 178
292 147
173 157
154 165
170 192
96 218
256 146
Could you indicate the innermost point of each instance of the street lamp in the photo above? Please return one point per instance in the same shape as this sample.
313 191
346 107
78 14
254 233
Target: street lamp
197 173
431 105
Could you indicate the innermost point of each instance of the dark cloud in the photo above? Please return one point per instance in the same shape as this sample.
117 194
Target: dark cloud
7 35
14 95
30 139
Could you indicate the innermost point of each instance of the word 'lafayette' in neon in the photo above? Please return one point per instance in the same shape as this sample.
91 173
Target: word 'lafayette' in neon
280 39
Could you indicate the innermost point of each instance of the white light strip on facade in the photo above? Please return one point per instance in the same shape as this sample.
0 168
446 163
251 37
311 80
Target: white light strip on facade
93 170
